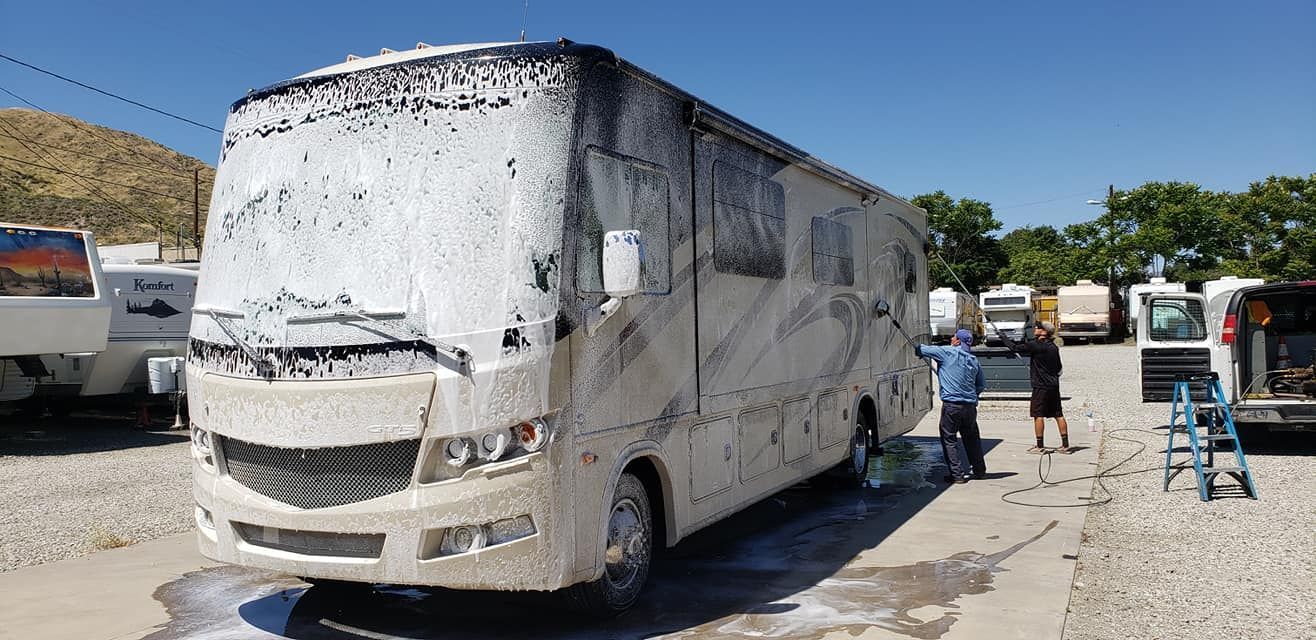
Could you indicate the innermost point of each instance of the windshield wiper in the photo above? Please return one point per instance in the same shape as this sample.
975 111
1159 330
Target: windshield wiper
460 353
222 318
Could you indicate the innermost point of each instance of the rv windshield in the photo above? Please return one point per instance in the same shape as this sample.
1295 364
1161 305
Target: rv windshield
432 188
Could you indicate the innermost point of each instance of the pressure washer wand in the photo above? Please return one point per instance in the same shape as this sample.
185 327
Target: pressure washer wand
883 310
984 311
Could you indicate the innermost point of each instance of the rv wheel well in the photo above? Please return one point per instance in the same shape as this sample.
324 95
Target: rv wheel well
869 409
653 481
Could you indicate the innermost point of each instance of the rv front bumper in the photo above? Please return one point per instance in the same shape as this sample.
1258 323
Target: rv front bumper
507 513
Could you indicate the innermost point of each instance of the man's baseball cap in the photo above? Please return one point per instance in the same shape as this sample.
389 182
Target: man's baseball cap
965 336
1049 328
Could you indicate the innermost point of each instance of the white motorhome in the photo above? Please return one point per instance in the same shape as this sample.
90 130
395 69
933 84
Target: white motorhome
52 300
1260 338
949 310
1008 309
151 313
1083 312
510 315
1136 298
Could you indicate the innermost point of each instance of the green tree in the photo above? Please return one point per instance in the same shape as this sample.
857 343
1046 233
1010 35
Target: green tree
1038 256
961 233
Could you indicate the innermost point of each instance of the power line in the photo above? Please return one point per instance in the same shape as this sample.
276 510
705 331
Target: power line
1030 204
102 158
72 122
112 95
87 177
90 189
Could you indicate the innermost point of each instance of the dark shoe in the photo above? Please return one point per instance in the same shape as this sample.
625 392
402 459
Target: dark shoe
949 479
980 475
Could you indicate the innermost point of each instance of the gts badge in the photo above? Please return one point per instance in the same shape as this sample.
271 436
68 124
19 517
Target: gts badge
394 431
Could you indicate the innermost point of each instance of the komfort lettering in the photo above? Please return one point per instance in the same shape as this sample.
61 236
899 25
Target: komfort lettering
141 285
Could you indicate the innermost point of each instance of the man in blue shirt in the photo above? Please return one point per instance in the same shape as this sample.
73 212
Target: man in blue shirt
961 380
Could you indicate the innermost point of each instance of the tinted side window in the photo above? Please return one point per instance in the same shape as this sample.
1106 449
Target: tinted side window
749 223
618 193
1177 320
833 253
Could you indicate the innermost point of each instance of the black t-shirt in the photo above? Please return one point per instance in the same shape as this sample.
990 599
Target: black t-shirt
1044 357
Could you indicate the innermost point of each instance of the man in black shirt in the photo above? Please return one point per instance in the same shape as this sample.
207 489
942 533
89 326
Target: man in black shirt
1044 376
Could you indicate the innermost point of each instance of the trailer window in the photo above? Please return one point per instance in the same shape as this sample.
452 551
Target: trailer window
617 193
749 224
833 253
1000 302
1177 320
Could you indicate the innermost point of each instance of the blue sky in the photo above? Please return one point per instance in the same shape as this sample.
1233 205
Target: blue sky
1034 107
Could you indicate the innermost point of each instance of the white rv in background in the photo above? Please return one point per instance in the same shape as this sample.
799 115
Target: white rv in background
1083 312
1136 298
949 310
509 316
151 308
1008 309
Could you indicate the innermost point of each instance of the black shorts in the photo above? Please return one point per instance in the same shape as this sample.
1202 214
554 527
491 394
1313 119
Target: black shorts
1045 404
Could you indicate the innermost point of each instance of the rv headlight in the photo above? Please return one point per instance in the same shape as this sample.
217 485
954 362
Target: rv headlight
493 445
201 440
458 452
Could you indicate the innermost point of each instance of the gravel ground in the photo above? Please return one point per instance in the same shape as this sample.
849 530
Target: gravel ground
86 483
1166 565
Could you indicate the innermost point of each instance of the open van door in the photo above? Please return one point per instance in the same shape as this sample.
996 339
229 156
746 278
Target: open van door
1174 336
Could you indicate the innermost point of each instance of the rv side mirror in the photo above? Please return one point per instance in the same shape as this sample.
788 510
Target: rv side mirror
623 263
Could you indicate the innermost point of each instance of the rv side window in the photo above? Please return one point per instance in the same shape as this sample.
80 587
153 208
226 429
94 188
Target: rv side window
749 224
833 253
1177 320
617 193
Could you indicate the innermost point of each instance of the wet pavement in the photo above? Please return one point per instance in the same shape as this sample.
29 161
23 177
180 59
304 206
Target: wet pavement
805 563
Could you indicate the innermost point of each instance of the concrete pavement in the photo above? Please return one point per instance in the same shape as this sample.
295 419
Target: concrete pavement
908 557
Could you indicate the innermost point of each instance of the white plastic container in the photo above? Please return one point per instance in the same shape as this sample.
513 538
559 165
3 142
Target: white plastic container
166 374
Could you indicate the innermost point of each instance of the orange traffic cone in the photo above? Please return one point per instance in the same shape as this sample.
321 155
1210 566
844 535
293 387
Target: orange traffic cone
1283 361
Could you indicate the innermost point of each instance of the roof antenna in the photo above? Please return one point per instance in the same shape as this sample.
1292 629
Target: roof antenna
524 13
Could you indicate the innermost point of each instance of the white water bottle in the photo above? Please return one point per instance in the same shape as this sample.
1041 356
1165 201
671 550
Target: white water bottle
1092 422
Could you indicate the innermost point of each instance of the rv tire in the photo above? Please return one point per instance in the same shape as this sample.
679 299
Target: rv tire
626 555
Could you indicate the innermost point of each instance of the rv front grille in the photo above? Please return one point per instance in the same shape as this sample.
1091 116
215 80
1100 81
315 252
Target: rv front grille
324 477
313 543
1160 365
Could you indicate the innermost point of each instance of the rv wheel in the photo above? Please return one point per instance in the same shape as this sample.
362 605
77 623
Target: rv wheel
626 554
857 471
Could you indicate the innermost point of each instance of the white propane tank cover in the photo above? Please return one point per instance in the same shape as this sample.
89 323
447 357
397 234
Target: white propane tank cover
166 374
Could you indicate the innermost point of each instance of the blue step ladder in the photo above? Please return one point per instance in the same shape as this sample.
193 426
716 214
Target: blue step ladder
1212 414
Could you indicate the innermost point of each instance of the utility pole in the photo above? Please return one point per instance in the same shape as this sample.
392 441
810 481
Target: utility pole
196 210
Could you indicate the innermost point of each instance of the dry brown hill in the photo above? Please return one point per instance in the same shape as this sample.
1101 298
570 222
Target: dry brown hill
59 171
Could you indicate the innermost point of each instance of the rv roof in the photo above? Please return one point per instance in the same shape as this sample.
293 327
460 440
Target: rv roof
705 114
386 57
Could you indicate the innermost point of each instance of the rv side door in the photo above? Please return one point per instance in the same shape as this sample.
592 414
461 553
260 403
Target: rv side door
1174 336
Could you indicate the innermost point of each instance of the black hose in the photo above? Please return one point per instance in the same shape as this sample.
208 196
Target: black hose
1098 476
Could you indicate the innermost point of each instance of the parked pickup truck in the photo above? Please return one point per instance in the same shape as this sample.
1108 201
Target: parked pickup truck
1261 339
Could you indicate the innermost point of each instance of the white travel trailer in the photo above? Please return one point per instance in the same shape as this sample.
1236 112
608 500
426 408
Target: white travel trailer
1008 309
950 310
509 315
1083 311
151 312
52 297
52 300
1136 298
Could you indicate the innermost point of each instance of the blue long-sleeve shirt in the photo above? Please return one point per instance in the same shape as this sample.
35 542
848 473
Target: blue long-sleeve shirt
958 373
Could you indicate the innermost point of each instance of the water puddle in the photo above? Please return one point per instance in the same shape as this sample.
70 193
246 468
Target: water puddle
780 569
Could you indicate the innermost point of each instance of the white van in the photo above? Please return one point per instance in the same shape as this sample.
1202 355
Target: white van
1008 309
1244 330
1136 298
506 316
950 310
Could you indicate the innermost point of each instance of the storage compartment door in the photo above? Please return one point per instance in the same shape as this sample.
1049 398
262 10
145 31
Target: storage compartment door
797 424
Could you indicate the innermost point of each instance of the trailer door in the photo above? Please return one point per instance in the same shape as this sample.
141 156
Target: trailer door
1174 336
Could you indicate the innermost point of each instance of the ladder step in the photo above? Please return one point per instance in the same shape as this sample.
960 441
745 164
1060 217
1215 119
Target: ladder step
1216 436
1206 471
